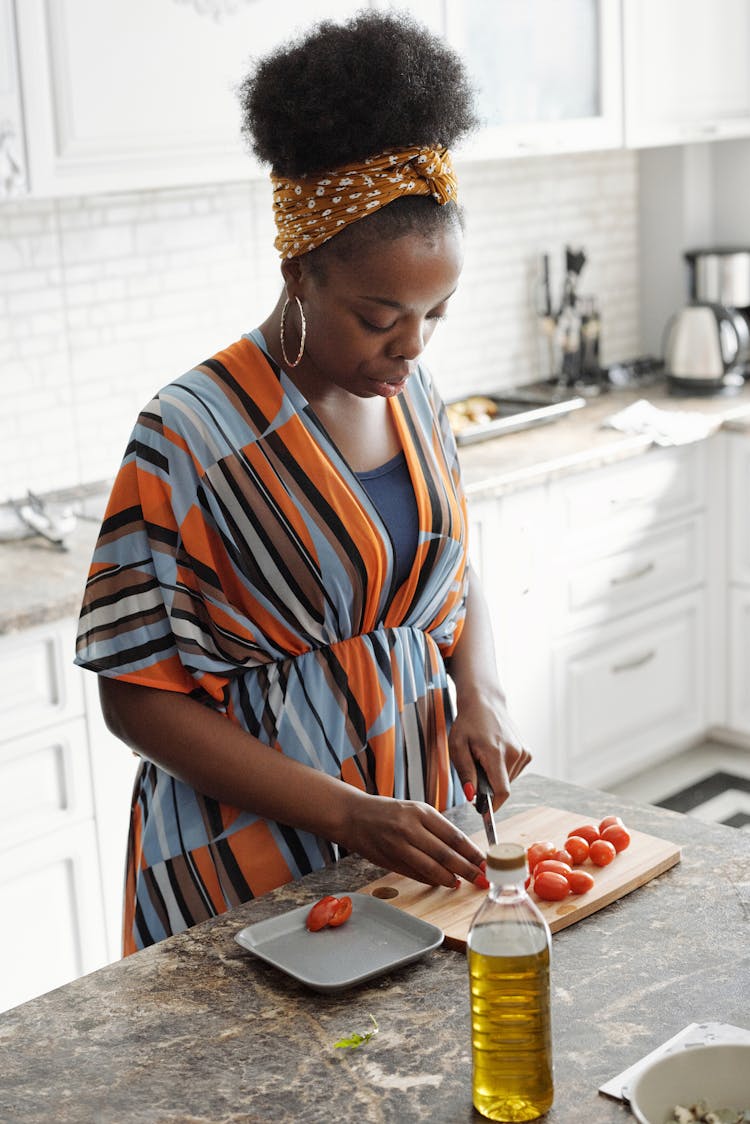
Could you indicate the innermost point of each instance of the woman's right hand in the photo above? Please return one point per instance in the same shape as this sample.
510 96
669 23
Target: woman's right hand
410 838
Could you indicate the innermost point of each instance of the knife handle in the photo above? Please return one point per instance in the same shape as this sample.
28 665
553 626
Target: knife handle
484 788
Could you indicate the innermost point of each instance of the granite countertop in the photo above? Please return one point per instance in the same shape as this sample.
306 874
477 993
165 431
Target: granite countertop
196 1029
40 583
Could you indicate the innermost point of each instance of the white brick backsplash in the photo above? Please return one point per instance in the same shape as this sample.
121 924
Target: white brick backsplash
104 299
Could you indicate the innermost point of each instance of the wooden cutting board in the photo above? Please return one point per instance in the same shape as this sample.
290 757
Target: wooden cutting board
453 910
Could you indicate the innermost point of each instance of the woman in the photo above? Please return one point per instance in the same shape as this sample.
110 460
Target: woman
281 575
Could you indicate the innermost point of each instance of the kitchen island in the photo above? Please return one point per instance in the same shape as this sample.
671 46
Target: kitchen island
196 1029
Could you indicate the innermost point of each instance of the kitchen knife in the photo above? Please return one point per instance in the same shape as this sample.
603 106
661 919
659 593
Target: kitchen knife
483 804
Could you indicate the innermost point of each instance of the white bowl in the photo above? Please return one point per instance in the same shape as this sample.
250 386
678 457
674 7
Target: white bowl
718 1074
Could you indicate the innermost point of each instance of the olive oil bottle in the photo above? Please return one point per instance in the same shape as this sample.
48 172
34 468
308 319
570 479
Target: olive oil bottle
508 951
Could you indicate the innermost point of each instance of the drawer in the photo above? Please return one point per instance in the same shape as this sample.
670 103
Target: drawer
654 567
639 493
739 659
44 782
633 692
41 684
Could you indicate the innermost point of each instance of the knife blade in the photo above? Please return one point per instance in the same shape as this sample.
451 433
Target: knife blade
483 804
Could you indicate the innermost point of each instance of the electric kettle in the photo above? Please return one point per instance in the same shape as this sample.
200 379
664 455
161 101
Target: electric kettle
703 344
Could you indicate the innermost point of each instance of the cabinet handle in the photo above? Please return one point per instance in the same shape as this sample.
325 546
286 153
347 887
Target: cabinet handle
633 575
631 665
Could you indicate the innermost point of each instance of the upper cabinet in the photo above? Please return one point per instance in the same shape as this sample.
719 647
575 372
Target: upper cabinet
134 94
12 155
686 71
548 74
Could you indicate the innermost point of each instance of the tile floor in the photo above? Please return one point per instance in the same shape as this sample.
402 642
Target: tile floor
710 781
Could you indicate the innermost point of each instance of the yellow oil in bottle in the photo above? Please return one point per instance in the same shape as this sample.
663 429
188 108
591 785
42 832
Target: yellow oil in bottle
508 952
510 1022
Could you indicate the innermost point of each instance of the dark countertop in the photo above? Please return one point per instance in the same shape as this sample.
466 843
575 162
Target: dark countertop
195 1029
39 583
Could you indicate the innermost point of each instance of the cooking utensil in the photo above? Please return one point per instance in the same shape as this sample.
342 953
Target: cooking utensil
703 345
717 1074
483 804
453 910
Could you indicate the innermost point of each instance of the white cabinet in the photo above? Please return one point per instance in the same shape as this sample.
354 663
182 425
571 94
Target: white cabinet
64 805
141 93
738 604
548 74
685 70
508 550
12 155
628 621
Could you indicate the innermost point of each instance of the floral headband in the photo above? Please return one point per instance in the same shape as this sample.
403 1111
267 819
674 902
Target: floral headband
310 210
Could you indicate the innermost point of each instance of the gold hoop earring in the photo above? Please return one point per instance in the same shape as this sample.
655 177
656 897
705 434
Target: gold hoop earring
303 333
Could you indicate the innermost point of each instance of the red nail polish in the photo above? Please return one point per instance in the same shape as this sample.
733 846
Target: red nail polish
483 866
481 882
456 882
469 791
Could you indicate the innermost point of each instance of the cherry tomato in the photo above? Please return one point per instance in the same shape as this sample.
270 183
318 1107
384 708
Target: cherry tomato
586 831
321 913
560 855
601 852
550 886
537 851
577 848
342 912
618 835
580 881
554 865
608 821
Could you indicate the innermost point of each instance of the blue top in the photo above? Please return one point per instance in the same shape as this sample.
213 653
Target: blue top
390 489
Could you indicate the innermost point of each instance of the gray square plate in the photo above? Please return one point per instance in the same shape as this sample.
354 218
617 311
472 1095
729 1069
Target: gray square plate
377 938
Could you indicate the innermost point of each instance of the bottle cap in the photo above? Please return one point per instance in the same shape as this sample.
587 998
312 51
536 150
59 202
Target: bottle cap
506 856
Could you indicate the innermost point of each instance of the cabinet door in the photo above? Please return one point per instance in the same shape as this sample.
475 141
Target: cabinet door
686 72
53 929
739 660
41 686
141 93
12 154
738 521
509 552
632 693
548 74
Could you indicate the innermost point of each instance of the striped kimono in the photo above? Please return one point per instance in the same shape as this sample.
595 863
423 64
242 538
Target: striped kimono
241 561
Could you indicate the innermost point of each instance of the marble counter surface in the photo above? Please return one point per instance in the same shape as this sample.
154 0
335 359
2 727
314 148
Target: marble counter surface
195 1029
39 583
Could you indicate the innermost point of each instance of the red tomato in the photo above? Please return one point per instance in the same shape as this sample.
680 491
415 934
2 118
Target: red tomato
342 912
580 881
577 848
586 831
550 886
618 835
601 852
538 851
321 913
560 855
608 821
554 865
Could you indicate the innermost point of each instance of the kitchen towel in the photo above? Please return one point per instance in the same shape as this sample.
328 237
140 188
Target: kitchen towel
664 427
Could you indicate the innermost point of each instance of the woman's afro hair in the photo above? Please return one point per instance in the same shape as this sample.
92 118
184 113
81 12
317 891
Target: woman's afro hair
346 91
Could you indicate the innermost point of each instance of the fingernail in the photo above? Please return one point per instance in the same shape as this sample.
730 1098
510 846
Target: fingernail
481 882
456 882
483 866
469 790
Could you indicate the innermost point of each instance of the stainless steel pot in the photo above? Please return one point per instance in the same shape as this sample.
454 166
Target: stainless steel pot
720 275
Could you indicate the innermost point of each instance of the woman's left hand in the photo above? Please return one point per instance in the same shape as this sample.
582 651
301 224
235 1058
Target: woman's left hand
483 731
